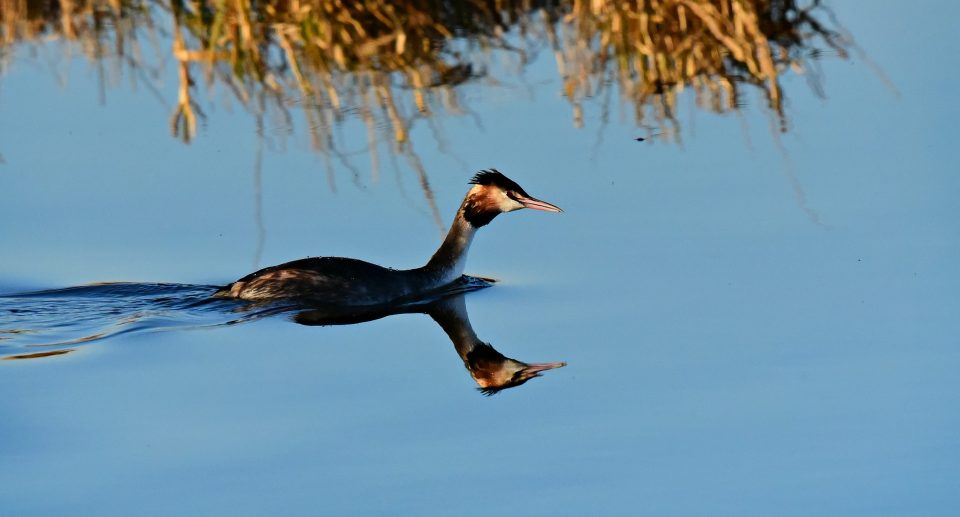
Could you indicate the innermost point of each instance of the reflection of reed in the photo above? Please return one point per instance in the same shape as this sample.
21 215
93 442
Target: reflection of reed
654 49
398 61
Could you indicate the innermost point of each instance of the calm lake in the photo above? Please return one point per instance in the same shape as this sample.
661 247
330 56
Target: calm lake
753 321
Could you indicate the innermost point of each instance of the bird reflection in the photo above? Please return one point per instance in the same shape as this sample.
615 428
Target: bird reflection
491 370
43 324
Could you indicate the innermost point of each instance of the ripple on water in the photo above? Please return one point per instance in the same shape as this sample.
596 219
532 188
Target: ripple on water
55 322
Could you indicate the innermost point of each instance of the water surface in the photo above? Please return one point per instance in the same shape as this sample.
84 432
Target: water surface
753 322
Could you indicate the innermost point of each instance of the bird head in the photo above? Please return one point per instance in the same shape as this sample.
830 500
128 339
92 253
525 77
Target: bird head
494 371
493 194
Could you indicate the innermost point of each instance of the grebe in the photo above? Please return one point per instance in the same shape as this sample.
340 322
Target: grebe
342 281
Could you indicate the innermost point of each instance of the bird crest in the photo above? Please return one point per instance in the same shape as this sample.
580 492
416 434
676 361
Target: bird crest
493 177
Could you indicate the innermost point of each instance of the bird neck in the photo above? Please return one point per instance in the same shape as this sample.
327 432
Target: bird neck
451 315
489 368
447 264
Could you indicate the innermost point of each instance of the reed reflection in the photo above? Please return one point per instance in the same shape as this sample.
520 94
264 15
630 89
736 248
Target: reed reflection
393 63
491 370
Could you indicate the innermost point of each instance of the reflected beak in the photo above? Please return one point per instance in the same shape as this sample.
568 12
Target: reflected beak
542 367
536 204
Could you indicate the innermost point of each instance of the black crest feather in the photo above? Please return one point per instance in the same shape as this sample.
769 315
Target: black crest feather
493 177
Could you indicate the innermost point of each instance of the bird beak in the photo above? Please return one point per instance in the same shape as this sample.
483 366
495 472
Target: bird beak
536 204
542 367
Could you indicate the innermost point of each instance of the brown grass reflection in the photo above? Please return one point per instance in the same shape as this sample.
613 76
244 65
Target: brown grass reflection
652 50
396 62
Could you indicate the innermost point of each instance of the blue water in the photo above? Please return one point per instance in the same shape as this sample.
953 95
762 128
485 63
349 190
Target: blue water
753 324
57 321
53 322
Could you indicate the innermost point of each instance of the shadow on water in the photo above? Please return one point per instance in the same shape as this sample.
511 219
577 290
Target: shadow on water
55 322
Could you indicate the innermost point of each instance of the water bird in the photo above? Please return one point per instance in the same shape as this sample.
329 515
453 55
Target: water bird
339 281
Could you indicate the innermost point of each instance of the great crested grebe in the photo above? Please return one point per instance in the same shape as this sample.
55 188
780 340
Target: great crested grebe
351 282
